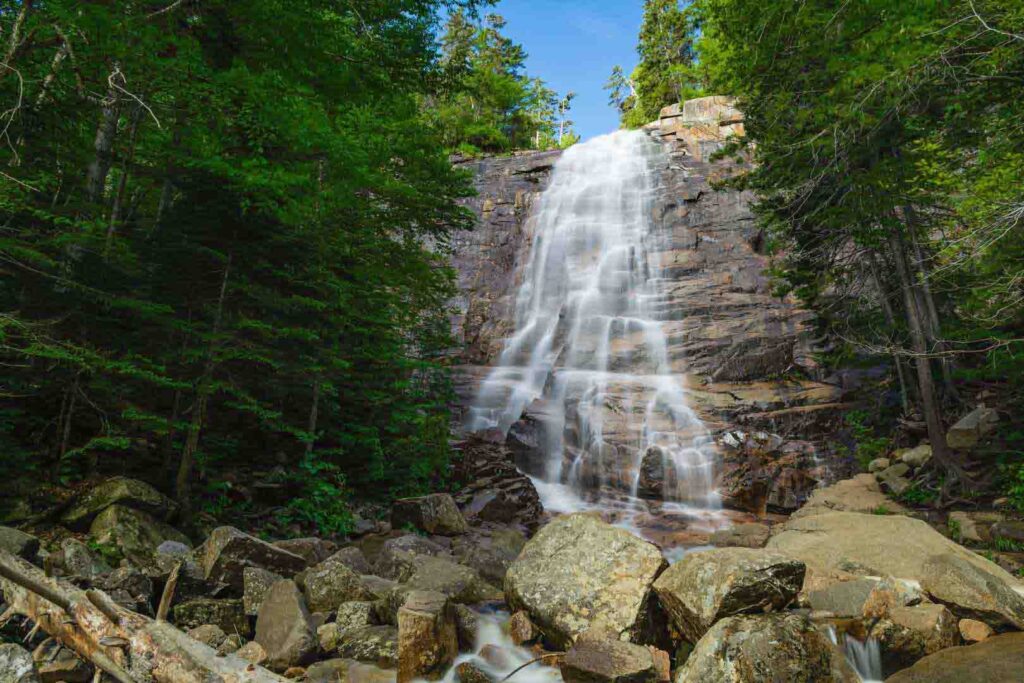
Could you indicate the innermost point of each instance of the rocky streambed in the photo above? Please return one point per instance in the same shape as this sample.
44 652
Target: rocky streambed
473 586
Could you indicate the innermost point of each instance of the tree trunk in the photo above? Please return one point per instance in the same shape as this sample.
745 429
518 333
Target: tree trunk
890 319
934 324
106 131
203 390
929 404
115 211
314 409
80 620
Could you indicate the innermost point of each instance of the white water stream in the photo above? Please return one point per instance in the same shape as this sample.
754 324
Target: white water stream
589 349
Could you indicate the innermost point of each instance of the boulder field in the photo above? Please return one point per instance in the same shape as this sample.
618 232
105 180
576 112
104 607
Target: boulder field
424 596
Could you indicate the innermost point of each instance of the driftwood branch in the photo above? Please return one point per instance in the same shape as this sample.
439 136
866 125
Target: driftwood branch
167 597
532 661
86 622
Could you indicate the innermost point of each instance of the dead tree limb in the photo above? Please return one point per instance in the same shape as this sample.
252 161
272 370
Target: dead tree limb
156 652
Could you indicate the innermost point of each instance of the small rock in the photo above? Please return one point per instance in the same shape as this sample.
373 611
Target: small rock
521 630
496 656
228 551
917 457
974 631
295 672
435 514
230 644
331 583
256 584
1009 530
17 542
703 588
328 636
972 527
229 615
466 624
752 535
427 639
844 599
468 672
210 634
372 644
252 652
16 664
80 561
878 464
909 633
892 479
312 550
608 661
354 614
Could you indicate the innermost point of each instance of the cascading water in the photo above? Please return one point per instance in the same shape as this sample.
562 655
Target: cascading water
589 352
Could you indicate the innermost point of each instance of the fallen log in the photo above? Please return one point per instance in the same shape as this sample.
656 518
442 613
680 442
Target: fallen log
156 651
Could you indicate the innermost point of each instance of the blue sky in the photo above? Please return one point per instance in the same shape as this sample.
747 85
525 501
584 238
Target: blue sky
573 45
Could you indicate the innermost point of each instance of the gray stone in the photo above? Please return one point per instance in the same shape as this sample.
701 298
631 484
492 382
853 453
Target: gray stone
130 493
1009 530
843 599
972 592
579 571
355 614
353 558
227 552
80 561
284 628
968 430
331 583
705 587
371 644
395 559
17 542
489 552
229 615
878 464
252 652
16 665
435 514
918 456
256 584
466 625
208 634
135 534
769 647
973 526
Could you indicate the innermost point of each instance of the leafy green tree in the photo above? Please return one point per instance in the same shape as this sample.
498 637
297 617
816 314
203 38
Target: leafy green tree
667 72
226 246
880 132
488 102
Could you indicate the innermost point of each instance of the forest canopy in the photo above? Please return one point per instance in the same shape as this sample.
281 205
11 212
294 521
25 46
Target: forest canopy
225 238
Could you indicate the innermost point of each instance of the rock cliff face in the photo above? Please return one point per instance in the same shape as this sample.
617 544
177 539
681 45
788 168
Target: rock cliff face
743 352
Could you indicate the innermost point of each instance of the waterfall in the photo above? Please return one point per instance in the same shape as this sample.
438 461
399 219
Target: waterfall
589 352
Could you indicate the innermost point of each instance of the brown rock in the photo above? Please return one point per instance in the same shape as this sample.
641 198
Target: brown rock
252 652
427 638
468 672
973 631
229 615
294 672
608 661
996 660
209 634
371 644
257 583
521 630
